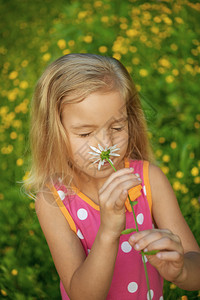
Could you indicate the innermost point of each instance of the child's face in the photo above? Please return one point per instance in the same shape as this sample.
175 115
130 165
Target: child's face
98 119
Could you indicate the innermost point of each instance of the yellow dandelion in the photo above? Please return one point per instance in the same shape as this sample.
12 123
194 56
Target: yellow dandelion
138 87
172 286
14 272
117 56
123 26
174 47
13 75
197 180
103 49
157 19
44 48
191 155
24 63
87 39
13 135
82 14
175 72
3 292
17 123
196 125
32 205
162 140
194 201
184 189
46 56
61 44
166 158
195 52
135 60
173 145
31 232
179 20
165 169
155 29
1 196
167 20
71 43
161 70
198 163
133 49
131 32
66 51
176 185
23 85
158 153
25 177
179 174
19 162
12 95
169 79
164 62
143 72
195 171
104 19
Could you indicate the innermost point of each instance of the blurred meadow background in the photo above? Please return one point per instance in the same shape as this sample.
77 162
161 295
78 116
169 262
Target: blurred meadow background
158 41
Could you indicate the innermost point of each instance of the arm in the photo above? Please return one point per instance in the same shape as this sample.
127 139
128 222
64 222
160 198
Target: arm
87 278
179 257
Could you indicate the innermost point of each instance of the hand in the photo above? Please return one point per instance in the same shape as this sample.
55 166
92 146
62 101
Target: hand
112 197
170 260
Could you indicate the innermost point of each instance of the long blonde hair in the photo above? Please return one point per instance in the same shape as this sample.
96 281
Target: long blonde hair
71 79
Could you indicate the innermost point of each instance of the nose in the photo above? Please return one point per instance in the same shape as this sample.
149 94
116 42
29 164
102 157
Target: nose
106 138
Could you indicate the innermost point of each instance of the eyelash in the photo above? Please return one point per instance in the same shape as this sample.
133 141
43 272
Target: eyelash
83 135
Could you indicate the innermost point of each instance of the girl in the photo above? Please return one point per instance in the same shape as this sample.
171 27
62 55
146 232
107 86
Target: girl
83 101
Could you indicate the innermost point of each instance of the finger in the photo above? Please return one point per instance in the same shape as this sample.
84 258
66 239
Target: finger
147 234
115 175
170 256
165 243
119 203
116 186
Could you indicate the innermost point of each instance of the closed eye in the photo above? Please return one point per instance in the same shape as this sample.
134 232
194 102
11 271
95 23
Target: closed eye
118 128
84 134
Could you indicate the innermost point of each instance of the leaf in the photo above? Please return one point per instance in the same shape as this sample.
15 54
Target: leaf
152 252
129 230
133 203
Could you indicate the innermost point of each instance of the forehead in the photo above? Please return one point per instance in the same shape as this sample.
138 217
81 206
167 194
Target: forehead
96 109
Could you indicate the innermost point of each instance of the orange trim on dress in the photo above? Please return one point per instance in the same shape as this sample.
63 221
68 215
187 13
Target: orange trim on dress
63 208
85 198
147 184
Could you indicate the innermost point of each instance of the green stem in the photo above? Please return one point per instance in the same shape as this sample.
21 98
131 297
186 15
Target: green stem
136 225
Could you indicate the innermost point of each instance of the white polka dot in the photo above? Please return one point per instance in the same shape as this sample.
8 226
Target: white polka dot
132 287
79 233
61 195
140 218
151 292
126 247
144 189
82 214
161 298
88 250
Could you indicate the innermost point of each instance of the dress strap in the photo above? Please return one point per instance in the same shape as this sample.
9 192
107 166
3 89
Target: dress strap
62 208
147 184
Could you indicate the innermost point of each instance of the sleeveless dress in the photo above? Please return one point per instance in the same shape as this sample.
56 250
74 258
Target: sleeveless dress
83 216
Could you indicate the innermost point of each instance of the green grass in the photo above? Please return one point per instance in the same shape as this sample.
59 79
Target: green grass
158 42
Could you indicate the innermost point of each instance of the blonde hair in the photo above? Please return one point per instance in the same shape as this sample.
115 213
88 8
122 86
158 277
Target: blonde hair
71 79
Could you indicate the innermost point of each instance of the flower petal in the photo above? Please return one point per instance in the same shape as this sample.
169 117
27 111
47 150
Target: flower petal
100 147
95 149
114 154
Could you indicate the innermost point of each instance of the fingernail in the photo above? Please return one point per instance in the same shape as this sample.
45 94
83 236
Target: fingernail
139 179
137 247
132 169
136 174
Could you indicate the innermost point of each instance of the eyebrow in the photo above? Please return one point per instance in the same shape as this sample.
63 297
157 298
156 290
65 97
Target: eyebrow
88 126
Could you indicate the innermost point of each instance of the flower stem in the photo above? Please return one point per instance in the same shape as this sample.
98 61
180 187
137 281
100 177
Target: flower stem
136 225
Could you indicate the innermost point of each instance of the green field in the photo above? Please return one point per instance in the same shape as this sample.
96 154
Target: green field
158 41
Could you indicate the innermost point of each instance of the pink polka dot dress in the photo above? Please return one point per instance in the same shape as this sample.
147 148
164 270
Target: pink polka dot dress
83 215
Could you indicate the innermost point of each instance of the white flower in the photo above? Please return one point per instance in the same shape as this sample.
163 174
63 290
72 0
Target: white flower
102 155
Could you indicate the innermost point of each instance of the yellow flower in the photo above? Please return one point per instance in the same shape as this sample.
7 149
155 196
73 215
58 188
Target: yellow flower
184 189
13 75
13 135
131 32
179 20
138 87
172 286
23 85
173 145
179 174
175 72
165 169
25 177
104 19
158 153
157 19
31 232
66 51
32 205
3 292
87 39
191 155
169 79
71 43
1 196
133 49
155 29
61 44
164 62
19 162
117 56
195 171
24 63
197 180
161 140
135 60
143 72
176 185
174 47
46 56
103 49
166 158
14 272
